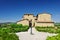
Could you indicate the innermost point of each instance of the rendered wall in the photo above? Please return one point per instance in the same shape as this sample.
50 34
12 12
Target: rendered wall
44 17
41 18
44 24
23 22
30 17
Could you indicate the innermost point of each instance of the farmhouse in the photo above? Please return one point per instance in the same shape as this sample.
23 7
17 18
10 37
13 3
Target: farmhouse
42 20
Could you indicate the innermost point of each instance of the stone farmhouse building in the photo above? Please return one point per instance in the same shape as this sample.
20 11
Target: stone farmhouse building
42 20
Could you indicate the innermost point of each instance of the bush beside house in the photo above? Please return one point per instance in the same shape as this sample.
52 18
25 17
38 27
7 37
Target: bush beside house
48 29
7 32
57 37
4 35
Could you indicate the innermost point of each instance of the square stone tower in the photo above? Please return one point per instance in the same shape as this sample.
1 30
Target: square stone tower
44 19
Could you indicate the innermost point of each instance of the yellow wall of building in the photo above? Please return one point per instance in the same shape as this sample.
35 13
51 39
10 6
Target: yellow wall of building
44 24
30 17
41 18
44 18
23 22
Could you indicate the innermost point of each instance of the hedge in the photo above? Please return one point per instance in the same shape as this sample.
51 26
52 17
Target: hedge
48 29
7 36
57 37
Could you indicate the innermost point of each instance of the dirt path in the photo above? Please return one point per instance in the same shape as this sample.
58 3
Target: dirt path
36 35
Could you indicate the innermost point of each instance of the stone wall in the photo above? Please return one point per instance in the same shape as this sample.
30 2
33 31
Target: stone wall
39 20
44 24
30 17
44 17
23 22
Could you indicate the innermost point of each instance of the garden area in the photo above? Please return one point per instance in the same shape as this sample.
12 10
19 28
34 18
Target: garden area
55 30
13 28
7 31
57 37
49 29
8 36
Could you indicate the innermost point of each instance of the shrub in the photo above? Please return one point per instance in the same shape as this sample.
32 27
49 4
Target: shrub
7 36
51 38
6 32
48 29
15 28
19 28
57 37
10 37
15 25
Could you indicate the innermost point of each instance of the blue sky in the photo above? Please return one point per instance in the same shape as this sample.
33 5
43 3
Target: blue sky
13 10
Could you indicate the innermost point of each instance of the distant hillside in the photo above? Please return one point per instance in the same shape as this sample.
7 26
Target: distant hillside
57 24
8 23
